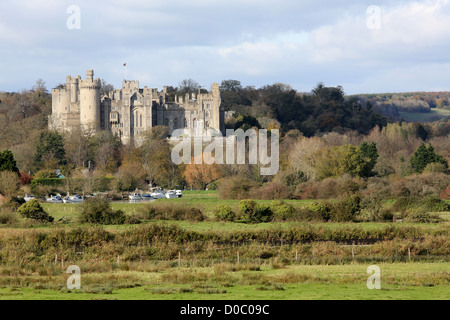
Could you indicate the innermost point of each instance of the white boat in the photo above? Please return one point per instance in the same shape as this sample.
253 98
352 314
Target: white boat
29 197
158 194
135 196
73 199
179 193
170 194
55 199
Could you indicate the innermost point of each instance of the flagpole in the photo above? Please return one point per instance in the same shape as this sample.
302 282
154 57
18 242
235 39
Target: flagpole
125 71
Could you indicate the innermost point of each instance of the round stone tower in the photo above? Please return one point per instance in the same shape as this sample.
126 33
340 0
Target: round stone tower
90 102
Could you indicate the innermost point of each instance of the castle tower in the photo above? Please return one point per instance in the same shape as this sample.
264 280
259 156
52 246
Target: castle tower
217 121
90 102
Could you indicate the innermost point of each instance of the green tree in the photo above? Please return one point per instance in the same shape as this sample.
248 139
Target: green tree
370 153
424 156
336 161
50 151
7 162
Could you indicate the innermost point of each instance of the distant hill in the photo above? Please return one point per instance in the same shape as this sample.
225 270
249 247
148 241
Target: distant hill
427 106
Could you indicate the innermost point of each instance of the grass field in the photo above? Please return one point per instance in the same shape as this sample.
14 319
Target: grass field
156 270
346 282
434 115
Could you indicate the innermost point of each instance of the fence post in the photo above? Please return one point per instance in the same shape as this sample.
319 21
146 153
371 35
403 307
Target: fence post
353 251
56 258
179 259
296 256
409 254
238 257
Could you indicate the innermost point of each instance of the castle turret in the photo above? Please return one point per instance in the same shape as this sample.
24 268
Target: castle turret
217 121
90 102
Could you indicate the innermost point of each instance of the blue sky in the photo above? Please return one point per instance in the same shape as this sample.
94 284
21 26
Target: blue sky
403 48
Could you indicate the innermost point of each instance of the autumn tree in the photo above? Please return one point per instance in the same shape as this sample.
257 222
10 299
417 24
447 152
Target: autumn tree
9 183
336 161
157 162
200 175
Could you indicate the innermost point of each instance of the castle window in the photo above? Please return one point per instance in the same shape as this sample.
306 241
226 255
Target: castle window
175 123
140 119
207 124
195 123
166 122
208 106
207 114
185 123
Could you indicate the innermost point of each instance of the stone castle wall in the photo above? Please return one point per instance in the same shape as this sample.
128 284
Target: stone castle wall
130 111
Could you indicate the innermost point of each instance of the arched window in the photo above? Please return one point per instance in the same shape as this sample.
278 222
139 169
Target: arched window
185 123
166 122
195 123
207 124
140 120
207 114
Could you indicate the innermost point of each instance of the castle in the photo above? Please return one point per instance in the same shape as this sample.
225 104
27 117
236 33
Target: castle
130 111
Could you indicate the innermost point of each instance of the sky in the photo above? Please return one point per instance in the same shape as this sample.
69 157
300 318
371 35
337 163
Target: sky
373 46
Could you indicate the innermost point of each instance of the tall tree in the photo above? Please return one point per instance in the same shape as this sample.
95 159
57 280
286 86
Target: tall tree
50 150
370 153
424 156
7 162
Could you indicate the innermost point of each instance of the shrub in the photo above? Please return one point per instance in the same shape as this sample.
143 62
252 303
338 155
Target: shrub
169 211
252 212
98 211
33 210
272 190
435 204
321 208
446 193
281 210
421 216
235 188
194 215
224 213
7 217
133 219
346 209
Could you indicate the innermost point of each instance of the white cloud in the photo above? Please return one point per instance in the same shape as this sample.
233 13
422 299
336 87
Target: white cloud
257 42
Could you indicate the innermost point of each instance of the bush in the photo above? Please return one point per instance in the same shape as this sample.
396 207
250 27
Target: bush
446 193
7 217
323 209
346 209
252 212
33 210
98 211
272 190
169 211
281 210
194 215
421 216
224 213
435 204
235 187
